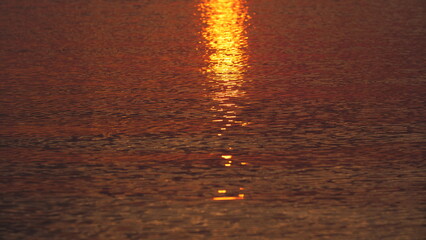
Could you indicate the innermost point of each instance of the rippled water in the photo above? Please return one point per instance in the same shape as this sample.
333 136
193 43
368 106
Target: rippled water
212 119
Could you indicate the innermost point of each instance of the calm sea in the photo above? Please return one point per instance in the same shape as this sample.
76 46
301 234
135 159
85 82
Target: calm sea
212 119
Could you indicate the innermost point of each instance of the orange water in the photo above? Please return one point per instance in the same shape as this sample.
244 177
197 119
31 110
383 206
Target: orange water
212 119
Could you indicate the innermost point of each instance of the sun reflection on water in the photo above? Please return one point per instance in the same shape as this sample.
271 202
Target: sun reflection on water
225 24
224 31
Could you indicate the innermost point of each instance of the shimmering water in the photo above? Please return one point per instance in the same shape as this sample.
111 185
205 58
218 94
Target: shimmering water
212 119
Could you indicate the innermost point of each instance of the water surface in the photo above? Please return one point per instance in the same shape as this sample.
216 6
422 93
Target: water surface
212 119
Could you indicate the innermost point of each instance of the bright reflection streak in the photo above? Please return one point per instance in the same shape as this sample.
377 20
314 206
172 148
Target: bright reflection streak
225 37
240 197
225 34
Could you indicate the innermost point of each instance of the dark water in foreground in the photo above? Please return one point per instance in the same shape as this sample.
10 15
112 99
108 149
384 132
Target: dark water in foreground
212 119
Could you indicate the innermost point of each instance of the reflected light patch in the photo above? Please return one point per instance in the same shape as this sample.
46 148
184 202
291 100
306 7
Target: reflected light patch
225 23
240 197
224 32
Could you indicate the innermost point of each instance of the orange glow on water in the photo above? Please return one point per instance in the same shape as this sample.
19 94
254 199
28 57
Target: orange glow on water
240 197
225 23
224 33
225 38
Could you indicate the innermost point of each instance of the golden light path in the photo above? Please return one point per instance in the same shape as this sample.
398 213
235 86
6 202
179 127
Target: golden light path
225 34
225 37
